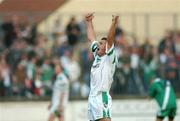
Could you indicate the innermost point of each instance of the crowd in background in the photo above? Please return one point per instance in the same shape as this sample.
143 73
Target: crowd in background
138 62
27 60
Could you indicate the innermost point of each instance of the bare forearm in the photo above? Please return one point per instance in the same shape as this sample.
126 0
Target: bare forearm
90 31
111 33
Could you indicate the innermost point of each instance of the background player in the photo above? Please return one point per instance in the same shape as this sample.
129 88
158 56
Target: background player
163 93
60 95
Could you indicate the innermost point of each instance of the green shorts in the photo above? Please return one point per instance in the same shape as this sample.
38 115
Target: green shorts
168 112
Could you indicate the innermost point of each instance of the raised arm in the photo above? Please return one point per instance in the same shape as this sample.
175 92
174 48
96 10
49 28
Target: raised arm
90 29
111 33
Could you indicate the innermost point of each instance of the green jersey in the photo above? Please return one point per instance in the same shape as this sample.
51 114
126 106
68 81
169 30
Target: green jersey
164 94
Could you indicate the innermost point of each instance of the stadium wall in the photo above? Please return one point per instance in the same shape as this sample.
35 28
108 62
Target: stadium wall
144 18
122 110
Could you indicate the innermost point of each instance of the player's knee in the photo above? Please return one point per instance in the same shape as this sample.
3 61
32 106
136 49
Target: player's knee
171 118
51 117
104 119
159 118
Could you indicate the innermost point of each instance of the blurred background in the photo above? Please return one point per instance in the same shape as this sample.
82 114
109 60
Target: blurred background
36 33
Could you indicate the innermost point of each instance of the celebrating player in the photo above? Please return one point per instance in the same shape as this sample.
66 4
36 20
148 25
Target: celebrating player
102 70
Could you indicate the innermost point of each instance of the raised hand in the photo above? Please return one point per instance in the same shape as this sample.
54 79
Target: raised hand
115 18
89 16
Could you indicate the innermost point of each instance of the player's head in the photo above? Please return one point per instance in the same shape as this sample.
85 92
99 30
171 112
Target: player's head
152 77
101 46
170 73
58 69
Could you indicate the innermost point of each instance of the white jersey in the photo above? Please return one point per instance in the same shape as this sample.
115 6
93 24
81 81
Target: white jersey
61 85
102 70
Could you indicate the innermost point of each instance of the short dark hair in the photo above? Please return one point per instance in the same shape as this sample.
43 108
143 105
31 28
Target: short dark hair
104 38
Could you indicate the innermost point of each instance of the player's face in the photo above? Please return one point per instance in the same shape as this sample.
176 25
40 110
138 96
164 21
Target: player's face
58 69
101 47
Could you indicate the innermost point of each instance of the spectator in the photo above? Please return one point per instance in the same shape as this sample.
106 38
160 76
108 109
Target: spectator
119 34
73 69
122 74
82 26
167 42
11 29
177 45
19 79
5 73
146 51
73 31
86 62
58 32
47 73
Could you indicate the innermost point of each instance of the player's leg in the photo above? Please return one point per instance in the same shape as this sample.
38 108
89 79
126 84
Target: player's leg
51 117
161 114
171 118
172 114
106 100
99 108
104 119
53 112
93 116
60 115
159 118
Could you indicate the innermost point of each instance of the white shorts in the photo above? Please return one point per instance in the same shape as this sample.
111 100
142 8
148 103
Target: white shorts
54 107
99 106
56 100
